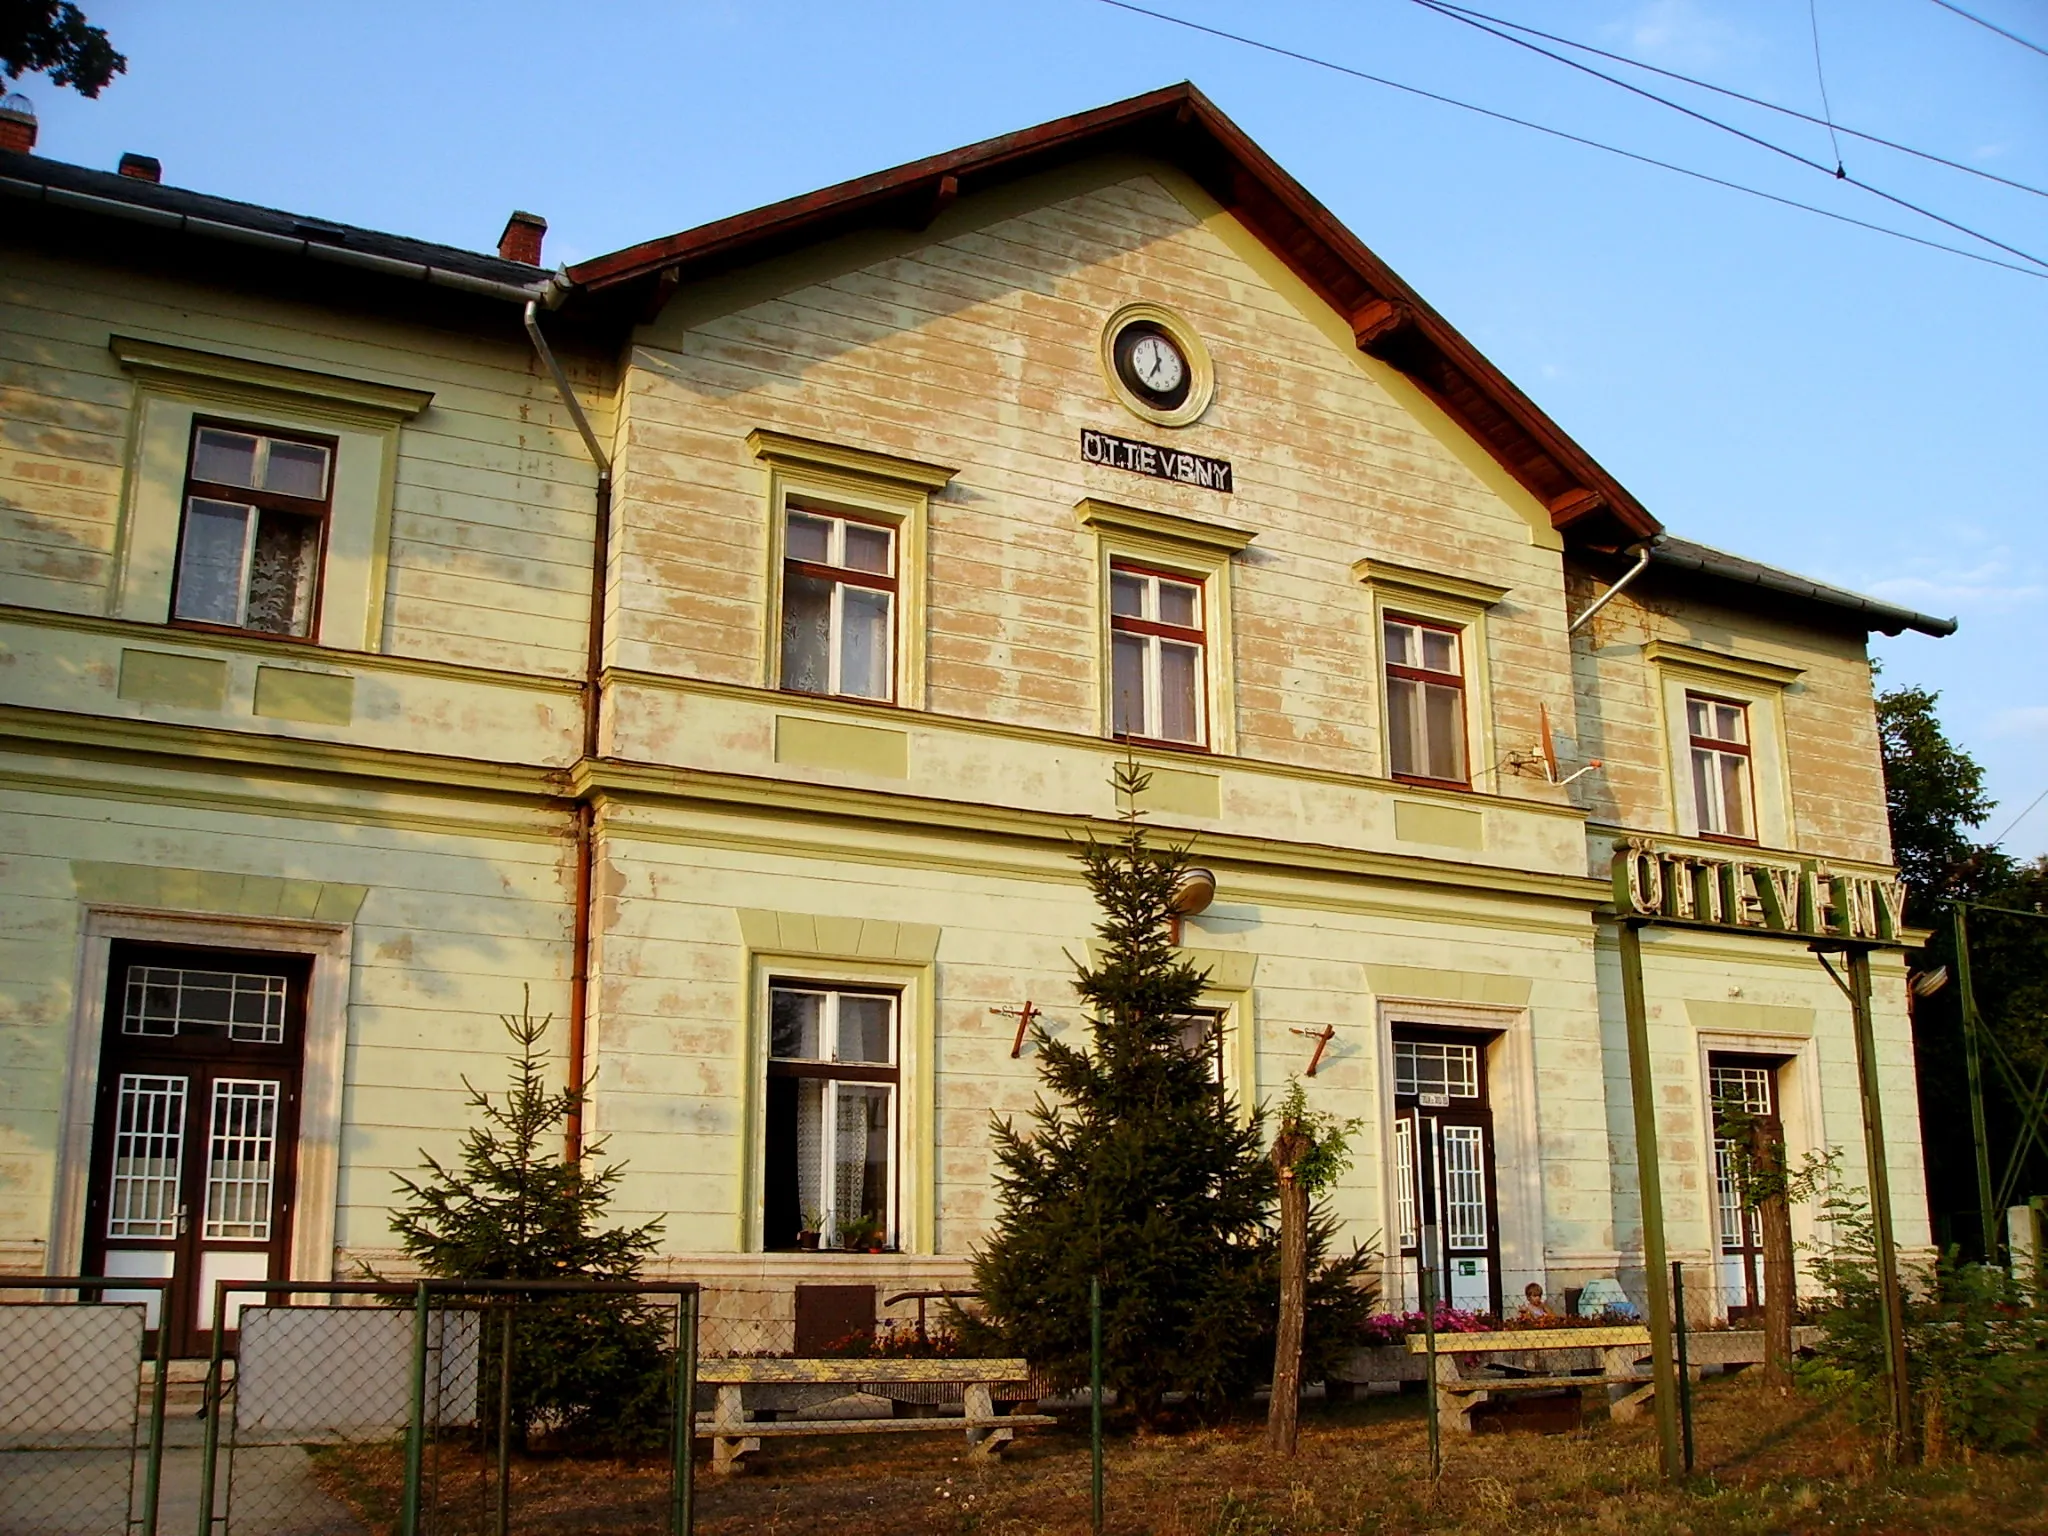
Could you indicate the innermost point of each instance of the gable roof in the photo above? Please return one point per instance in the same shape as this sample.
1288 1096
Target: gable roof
1183 127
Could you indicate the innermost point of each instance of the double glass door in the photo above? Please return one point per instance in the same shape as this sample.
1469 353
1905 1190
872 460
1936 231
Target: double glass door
195 1127
1444 1179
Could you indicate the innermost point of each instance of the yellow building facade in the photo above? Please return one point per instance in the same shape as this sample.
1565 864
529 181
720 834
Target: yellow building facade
916 505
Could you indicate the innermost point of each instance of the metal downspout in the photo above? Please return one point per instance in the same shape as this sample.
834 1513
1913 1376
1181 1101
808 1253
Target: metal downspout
593 699
1627 576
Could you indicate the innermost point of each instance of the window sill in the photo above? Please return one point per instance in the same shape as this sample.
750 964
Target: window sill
231 632
1462 786
837 698
1154 744
1726 841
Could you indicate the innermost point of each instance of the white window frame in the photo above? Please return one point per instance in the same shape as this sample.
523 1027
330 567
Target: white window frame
833 993
1152 706
838 481
1184 549
175 385
1678 670
1409 593
1718 749
842 578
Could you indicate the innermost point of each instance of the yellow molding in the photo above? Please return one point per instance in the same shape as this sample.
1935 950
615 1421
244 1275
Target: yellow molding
1393 578
215 890
838 938
297 807
742 792
1726 1018
173 678
1422 984
900 717
205 749
808 453
1198 533
284 650
184 364
1671 654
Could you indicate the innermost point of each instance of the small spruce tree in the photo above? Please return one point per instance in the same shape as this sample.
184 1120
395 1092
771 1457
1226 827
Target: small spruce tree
588 1366
1137 1169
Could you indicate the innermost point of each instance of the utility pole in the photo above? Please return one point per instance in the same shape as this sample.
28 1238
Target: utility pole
1650 1185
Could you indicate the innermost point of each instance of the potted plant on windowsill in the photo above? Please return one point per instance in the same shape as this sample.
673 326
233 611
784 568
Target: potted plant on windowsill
812 1231
861 1234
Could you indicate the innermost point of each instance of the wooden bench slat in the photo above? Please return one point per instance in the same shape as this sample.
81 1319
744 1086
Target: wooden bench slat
870 1426
718 1373
1532 1338
1524 1383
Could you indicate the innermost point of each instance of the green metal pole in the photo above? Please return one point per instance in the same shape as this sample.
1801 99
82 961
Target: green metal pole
683 1477
1427 1265
1095 1394
211 1453
153 1468
1650 1184
504 1524
1684 1375
1889 1296
1973 1067
416 1422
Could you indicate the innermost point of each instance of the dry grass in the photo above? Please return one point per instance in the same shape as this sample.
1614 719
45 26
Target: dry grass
1767 1465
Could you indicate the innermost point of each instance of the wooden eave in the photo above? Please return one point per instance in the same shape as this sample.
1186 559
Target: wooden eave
1180 125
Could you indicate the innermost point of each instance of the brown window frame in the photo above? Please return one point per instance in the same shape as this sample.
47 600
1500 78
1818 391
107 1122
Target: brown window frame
1197 636
1406 673
849 1072
1742 749
321 511
843 576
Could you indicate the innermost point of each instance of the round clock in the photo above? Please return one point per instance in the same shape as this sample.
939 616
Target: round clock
1151 365
1157 365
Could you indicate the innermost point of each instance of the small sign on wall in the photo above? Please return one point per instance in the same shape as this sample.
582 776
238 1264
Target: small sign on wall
1149 459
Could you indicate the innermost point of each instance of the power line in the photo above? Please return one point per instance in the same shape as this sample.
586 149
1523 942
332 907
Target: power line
1559 133
2023 815
1990 26
1714 122
1813 21
1754 101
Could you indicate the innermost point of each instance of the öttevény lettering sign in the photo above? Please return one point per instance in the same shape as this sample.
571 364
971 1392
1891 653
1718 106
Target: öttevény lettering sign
1173 464
1806 900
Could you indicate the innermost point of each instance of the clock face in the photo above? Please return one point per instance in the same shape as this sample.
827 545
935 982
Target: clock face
1152 366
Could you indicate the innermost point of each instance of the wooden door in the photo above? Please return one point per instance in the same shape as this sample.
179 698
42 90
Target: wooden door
1444 1153
195 1127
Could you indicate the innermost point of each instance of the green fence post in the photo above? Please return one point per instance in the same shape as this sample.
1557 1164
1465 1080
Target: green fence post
1684 1375
416 1422
1426 1253
153 1468
683 1478
1095 1393
211 1454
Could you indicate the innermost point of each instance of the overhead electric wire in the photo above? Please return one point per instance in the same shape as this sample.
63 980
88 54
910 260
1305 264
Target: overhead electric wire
1992 26
1735 95
1837 173
2023 815
1813 22
1574 138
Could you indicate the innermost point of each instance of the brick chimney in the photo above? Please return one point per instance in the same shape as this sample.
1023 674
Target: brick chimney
17 125
142 167
521 240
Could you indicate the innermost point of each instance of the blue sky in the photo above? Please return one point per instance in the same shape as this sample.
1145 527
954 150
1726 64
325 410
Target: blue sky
1850 406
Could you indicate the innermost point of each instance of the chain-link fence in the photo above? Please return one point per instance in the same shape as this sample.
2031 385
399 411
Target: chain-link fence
449 1408
81 1405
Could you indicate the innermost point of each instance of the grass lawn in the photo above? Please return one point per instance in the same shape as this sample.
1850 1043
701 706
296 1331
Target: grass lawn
1766 1465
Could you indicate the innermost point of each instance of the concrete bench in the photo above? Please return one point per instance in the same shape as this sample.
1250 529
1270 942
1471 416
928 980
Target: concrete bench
745 1388
1620 1350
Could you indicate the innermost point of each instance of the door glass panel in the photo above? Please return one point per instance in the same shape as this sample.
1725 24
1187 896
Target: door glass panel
149 1155
1464 1186
1430 1066
169 1000
1404 1180
241 1159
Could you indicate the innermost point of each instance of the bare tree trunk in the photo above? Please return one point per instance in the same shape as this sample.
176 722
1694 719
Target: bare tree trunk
1774 1215
1283 1414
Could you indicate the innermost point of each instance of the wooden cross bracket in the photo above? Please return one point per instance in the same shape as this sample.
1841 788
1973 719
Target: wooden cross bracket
1024 1017
1322 1038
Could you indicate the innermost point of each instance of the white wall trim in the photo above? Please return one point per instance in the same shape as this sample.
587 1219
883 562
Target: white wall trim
320 1073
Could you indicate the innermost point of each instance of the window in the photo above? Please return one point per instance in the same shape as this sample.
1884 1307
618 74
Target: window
1201 1034
254 526
831 1116
1436 1072
1425 702
1156 649
1719 732
838 605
